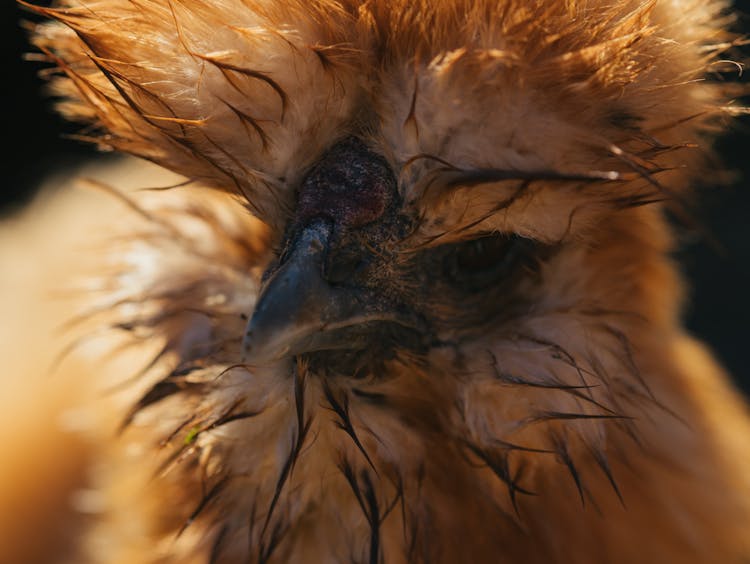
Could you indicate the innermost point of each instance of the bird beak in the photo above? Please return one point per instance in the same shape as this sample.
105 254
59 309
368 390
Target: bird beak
299 311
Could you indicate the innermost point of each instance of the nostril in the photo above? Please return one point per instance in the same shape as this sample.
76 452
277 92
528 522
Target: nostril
342 266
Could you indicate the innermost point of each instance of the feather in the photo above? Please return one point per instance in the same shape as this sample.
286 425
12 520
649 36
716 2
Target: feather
456 212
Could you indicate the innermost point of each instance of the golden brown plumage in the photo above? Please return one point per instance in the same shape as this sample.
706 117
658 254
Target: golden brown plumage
466 345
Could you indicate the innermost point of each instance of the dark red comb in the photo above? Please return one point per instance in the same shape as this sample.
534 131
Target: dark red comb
350 186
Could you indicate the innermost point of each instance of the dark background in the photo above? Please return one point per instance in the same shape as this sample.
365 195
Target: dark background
719 307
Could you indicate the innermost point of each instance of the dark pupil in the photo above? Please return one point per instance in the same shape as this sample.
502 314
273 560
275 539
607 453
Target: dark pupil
483 253
480 263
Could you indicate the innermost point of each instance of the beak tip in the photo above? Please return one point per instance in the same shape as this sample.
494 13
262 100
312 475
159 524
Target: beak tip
259 348
250 348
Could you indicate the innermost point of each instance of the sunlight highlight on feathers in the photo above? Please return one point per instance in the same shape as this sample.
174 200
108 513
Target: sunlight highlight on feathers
535 400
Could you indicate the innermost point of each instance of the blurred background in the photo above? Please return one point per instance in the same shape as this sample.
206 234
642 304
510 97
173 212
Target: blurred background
35 143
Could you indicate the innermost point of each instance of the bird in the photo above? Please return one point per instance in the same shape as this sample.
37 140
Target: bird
390 281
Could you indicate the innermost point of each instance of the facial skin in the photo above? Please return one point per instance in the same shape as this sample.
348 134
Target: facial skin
347 281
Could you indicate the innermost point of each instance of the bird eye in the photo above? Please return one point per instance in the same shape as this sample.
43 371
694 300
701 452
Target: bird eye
483 253
485 261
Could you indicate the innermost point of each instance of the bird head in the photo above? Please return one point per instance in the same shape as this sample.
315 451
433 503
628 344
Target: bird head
474 184
458 240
